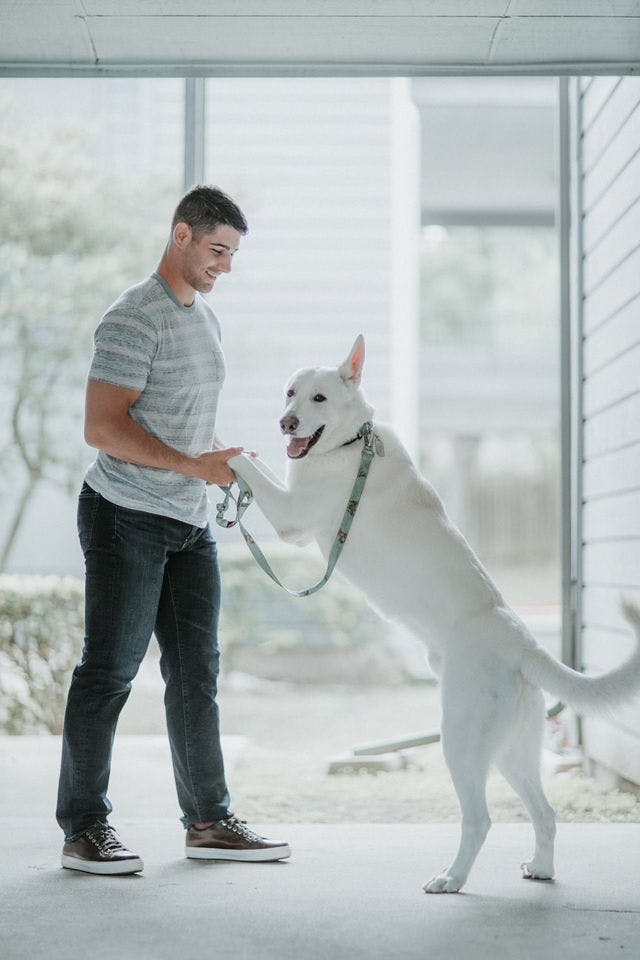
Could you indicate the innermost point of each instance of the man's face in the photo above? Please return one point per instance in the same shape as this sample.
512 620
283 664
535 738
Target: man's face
203 260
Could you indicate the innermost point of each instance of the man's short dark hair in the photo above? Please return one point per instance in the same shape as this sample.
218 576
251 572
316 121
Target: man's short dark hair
206 208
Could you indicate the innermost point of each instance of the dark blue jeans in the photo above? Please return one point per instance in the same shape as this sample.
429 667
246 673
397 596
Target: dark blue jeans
144 573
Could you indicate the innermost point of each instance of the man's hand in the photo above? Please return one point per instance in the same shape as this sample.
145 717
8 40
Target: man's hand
213 467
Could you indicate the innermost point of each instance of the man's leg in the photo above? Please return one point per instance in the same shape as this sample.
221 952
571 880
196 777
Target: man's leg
187 633
124 555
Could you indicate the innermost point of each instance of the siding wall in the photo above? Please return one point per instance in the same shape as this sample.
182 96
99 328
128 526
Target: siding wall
610 183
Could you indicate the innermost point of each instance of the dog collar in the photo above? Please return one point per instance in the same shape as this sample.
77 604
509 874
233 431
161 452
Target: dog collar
371 439
364 431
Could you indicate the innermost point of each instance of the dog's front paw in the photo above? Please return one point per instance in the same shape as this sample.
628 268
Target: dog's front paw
443 884
534 871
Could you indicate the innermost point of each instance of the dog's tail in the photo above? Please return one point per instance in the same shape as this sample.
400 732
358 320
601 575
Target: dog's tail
589 694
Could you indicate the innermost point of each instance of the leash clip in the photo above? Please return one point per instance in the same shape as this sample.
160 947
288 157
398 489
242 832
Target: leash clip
366 432
372 440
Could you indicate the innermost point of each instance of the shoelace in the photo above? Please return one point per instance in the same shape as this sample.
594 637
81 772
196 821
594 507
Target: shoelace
238 826
105 839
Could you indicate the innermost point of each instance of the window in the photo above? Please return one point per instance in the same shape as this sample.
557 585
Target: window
90 171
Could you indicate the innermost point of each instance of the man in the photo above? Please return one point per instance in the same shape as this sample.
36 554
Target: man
150 559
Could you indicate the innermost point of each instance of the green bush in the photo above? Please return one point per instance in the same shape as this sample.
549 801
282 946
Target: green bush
257 613
331 637
41 635
42 629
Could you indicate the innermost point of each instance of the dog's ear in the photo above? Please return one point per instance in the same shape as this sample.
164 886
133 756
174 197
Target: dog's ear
351 369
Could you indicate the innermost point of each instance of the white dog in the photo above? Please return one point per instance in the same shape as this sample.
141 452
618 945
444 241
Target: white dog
416 568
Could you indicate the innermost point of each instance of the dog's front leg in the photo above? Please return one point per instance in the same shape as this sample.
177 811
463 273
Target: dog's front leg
281 506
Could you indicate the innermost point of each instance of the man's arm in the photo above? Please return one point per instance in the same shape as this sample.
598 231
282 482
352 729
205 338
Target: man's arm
109 427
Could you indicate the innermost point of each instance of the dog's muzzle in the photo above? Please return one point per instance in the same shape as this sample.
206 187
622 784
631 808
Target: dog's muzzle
298 447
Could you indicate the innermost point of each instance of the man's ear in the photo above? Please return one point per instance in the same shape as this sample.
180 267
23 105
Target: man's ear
351 369
182 234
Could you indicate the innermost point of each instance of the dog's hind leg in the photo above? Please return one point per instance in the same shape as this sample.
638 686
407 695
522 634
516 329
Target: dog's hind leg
520 765
479 707
468 767
471 733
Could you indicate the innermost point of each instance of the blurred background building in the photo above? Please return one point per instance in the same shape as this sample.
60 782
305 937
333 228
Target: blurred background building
357 191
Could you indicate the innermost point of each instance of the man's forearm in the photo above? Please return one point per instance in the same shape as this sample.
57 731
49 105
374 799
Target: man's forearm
125 439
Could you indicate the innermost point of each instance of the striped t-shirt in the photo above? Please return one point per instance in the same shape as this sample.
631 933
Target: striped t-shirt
149 341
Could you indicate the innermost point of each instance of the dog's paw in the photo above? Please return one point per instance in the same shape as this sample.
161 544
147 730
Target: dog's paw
534 871
443 884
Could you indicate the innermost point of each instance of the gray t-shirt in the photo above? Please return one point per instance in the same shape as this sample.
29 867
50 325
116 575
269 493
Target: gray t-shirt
149 341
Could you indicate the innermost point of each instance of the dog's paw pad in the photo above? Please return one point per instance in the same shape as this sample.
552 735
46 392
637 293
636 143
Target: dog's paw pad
532 872
442 884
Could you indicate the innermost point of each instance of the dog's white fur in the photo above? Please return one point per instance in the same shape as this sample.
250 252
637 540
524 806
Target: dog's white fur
416 568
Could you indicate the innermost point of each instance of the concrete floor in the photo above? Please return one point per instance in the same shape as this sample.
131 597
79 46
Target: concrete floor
349 890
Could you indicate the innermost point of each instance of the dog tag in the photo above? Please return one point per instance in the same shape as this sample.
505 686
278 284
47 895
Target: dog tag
378 445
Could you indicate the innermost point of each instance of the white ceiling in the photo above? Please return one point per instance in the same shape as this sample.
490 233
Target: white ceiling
318 37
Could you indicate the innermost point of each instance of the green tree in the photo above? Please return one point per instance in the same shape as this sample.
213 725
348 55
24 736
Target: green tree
71 238
490 286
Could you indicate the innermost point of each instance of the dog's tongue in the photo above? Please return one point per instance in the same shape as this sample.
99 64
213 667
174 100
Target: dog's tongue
297 446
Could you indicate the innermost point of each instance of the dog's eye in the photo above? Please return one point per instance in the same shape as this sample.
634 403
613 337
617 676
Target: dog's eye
290 393
319 397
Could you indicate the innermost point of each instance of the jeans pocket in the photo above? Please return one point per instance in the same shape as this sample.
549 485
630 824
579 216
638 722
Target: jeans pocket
87 492
88 502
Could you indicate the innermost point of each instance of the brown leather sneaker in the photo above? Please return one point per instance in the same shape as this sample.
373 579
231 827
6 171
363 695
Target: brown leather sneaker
100 850
231 839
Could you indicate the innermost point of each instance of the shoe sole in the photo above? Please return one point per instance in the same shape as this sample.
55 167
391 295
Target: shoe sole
108 868
248 856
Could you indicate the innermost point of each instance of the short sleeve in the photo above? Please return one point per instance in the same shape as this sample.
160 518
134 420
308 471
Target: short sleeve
124 348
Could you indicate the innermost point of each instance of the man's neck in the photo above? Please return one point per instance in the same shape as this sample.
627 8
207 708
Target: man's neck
183 291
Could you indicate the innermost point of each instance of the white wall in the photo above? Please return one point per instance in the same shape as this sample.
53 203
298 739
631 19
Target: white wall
610 162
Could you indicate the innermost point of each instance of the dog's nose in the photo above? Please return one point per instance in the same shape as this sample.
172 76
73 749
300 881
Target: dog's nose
289 423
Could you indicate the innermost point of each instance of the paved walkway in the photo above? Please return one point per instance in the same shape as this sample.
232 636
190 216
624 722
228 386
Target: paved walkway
349 891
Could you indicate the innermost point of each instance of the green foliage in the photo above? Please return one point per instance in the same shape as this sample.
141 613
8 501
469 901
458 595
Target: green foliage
258 614
42 629
491 286
72 238
41 633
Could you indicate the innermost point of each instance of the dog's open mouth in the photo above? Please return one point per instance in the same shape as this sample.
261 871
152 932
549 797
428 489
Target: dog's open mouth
299 447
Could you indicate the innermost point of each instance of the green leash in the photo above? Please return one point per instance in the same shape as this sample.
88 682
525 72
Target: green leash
372 444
